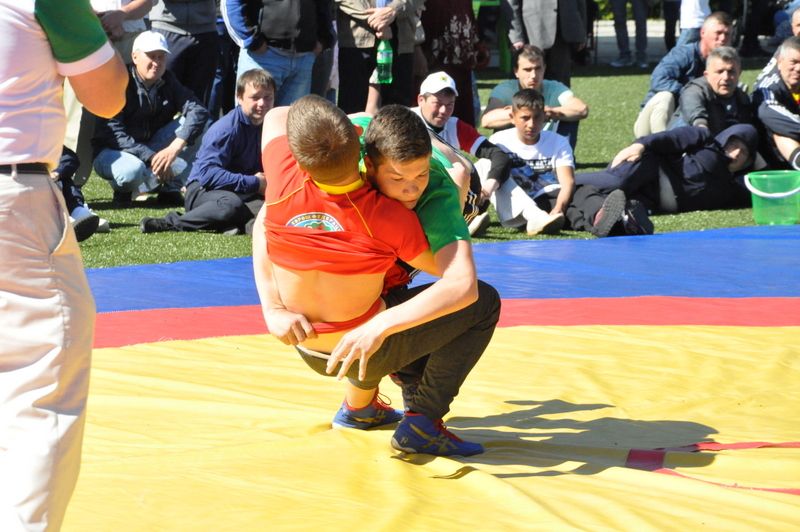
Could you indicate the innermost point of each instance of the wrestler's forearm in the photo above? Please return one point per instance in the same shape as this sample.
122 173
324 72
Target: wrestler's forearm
262 268
457 288
289 327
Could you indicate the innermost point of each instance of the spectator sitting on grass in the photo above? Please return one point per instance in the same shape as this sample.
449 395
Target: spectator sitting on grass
436 101
683 169
137 150
226 186
774 98
715 100
540 193
563 109
682 64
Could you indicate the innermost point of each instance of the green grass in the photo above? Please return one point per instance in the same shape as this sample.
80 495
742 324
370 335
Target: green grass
613 101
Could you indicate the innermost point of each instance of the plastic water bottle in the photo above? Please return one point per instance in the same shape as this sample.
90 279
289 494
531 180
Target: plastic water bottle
384 62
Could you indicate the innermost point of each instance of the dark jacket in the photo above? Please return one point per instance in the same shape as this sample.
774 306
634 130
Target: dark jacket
230 155
777 111
184 16
292 24
146 112
693 160
701 106
681 65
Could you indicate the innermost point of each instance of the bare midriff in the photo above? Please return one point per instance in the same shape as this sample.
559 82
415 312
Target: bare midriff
327 297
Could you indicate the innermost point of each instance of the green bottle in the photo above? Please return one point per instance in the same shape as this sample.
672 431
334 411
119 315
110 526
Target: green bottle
384 61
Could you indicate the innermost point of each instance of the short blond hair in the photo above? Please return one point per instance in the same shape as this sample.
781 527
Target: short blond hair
322 139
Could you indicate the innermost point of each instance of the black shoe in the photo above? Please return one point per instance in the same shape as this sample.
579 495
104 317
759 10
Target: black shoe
609 214
171 198
122 199
154 225
86 227
636 219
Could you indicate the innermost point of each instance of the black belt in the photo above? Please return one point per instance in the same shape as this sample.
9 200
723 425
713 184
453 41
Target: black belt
286 44
25 168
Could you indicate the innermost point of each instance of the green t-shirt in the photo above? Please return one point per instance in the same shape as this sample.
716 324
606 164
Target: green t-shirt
439 207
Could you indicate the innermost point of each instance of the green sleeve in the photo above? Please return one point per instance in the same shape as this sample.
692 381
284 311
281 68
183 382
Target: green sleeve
439 209
72 28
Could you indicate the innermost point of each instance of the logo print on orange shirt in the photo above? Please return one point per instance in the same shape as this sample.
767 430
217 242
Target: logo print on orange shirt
321 221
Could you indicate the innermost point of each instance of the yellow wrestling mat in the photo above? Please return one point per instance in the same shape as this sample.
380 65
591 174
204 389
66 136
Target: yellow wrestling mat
586 427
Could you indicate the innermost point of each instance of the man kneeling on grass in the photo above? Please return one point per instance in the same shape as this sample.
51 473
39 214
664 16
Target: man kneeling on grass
321 259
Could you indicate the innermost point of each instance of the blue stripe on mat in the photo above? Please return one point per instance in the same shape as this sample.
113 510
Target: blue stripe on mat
740 262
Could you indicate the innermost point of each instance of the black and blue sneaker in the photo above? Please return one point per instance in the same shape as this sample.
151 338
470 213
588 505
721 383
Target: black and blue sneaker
421 434
375 414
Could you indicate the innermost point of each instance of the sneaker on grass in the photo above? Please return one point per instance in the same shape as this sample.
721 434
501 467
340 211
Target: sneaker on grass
375 414
421 434
609 214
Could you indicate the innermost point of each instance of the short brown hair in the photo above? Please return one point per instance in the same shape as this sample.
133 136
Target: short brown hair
257 77
527 98
397 133
322 139
529 52
720 17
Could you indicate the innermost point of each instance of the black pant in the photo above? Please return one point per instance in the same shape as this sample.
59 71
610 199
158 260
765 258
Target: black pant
448 348
214 210
638 179
581 210
356 66
193 60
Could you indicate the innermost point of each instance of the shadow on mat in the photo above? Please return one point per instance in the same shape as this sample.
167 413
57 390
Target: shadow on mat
525 437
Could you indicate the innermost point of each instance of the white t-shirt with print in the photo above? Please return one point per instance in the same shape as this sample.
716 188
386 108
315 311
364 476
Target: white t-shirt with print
538 176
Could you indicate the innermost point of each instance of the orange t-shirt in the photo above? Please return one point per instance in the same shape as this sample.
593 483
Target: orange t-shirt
350 233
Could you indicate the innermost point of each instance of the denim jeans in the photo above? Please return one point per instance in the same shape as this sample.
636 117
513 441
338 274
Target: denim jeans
688 36
640 9
439 354
127 173
291 71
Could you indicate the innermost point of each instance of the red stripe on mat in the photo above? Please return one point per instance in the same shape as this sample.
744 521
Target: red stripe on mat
654 310
141 326
653 460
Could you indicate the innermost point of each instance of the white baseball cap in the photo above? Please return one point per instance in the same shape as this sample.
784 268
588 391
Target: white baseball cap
150 41
436 82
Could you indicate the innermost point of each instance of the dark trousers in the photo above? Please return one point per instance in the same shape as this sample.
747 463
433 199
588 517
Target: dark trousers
222 94
558 61
193 59
439 354
638 179
356 66
581 210
215 210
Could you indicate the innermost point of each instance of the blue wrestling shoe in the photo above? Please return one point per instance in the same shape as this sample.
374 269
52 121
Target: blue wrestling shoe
420 434
375 414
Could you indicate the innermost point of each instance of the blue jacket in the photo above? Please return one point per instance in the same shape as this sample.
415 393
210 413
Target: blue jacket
147 111
230 155
680 66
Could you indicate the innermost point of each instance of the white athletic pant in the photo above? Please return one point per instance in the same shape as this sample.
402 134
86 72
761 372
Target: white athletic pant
46 331
513 205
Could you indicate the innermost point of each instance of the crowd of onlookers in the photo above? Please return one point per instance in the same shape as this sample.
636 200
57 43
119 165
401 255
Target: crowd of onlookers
203 74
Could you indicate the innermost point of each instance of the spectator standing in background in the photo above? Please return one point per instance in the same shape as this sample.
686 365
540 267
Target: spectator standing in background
555 26
284 38
360 25
693 14
672 13
190 27
452 45
620 10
